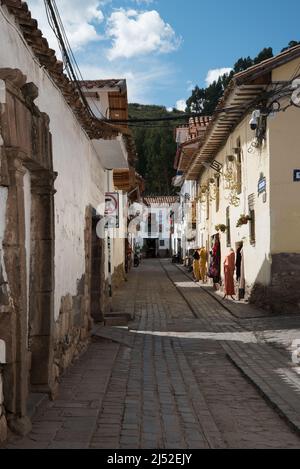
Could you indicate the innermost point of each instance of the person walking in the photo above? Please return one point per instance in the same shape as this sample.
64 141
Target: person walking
196 265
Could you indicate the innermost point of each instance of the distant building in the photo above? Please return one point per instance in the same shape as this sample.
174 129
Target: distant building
159 228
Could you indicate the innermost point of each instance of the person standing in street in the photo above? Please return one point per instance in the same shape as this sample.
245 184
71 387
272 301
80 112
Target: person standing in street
196 265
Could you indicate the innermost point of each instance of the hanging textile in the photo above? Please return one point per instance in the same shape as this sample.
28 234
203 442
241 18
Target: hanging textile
229 266
196 265
203 262
215 262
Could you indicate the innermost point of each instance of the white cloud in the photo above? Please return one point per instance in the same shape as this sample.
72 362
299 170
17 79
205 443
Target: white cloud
79 19
140 2
190 86
213 75
133 33
139 33
181 105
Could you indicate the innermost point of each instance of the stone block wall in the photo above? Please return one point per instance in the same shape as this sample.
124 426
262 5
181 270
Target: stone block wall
282 296
72 330
3 423
118 277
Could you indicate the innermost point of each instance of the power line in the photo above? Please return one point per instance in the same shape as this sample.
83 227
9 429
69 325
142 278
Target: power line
74 73
70 62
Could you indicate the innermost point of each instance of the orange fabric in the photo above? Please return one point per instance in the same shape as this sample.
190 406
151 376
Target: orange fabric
229 266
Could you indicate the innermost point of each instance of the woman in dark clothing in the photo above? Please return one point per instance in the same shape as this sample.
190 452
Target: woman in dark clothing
215 263
196 265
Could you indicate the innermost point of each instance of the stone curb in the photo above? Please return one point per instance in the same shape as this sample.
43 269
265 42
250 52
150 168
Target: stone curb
225 304
278 394
270 395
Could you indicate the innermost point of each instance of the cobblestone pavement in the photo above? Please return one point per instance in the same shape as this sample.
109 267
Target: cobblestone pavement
171 383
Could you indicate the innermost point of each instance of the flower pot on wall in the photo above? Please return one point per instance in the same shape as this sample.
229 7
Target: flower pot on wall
230 158
221 228
243 220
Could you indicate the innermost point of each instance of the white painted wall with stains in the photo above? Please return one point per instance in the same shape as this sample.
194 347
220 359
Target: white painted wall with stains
81 177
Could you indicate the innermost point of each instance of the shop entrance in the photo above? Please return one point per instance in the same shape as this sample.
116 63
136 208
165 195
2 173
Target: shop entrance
151 248
240 270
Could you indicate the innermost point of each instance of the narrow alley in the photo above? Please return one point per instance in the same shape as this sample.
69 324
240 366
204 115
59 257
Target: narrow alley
178 377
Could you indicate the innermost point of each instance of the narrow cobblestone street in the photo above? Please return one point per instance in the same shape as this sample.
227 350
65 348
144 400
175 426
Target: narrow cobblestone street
172 379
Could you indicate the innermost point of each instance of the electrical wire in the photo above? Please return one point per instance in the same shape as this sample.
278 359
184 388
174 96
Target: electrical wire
264 97
74 73
70 63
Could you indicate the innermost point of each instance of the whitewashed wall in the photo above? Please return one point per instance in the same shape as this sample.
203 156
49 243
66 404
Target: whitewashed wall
257 257
80 179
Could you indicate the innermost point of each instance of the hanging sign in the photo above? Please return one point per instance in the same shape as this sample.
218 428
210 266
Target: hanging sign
262 184
112 207
296 175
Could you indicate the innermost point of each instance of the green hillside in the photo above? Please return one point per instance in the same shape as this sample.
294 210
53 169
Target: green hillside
156 148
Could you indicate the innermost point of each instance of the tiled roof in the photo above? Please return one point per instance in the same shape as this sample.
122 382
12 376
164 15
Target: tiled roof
267 65
199 121
161 200
244 89
195 133
94 127
109 83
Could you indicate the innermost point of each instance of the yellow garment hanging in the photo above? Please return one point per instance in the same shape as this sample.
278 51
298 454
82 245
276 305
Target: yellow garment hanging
196 270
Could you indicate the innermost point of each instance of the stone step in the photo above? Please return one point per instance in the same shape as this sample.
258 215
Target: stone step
113 314
119 335
115 321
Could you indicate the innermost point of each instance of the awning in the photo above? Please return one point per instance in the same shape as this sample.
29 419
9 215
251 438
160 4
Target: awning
112 153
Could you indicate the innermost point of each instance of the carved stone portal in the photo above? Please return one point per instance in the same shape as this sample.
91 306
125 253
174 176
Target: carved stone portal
26 324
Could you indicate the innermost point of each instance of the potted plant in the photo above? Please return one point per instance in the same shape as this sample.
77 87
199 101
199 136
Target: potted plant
221 228
230 158
243 220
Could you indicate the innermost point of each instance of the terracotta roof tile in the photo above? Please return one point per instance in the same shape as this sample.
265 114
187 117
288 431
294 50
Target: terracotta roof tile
109 83
161 200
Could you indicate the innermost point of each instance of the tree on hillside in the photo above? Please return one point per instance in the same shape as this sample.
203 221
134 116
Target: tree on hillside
205 100
291 44
266 53
242 64
156 148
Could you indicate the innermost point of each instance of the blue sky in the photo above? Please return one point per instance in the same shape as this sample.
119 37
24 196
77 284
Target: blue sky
165 47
